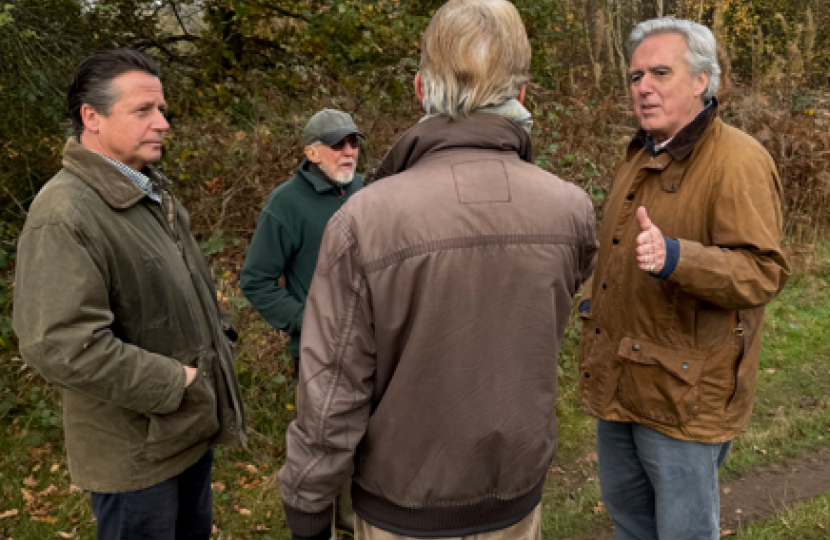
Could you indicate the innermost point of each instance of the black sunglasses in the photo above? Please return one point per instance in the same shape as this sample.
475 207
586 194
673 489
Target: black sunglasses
350 139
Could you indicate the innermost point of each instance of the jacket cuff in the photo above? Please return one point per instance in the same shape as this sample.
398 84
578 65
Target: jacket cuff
672 256
309 525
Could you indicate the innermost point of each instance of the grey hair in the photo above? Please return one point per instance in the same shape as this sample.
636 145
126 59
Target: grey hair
702 49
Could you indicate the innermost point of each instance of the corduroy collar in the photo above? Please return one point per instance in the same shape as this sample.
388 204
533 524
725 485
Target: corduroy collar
116 189
477 131
682 145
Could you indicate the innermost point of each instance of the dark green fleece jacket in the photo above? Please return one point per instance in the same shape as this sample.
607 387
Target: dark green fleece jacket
286 243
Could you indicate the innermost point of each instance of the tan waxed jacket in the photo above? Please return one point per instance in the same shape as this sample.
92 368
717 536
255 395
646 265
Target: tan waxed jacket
680 355
431 334
109 303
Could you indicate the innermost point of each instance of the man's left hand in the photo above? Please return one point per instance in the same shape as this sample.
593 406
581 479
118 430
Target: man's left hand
651 247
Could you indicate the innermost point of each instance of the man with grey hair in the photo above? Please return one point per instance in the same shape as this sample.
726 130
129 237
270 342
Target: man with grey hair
287 238
673 313
437 309
290 228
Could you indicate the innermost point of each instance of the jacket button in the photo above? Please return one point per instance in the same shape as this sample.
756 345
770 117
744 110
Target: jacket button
635 348
604 286
597 330
616 241
630 196
685 366
587 375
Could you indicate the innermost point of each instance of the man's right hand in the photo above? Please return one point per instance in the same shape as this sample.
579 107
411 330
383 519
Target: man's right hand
189 375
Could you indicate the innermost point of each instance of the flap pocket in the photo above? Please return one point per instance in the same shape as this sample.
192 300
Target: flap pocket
684 364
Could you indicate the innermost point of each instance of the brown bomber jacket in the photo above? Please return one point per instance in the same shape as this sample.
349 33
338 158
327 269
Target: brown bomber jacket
680 355
431 334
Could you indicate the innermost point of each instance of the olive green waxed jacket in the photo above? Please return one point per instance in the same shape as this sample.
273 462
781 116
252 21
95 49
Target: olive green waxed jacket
109 304
680 355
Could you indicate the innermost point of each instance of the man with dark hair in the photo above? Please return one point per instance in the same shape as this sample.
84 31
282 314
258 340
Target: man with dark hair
437 309
127 322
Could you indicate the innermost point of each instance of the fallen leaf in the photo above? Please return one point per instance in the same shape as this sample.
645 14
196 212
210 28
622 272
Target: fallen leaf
727 491
30 481
50 490
289 406
726 532
54 468
9 513
251 468
218 486
739 511
261 528
244 511
75 489
66 535
36 468
770 371
600 507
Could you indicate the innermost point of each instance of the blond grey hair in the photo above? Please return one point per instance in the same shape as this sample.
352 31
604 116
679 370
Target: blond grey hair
474 53
701 47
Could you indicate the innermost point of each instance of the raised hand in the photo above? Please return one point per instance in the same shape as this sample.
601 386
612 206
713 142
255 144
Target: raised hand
651 246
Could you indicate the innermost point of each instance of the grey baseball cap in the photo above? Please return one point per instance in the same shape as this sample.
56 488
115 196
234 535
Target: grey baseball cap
329 126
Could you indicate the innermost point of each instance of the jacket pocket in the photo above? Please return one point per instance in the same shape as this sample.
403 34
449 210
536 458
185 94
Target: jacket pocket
658 382
195 420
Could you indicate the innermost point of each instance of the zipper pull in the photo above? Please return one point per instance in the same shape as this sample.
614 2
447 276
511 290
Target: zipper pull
739 329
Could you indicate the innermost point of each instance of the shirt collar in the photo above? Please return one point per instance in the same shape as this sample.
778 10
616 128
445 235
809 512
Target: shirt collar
683 143
141 180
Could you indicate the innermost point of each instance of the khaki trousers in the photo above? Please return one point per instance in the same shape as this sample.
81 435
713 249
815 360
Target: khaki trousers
344 516
530 528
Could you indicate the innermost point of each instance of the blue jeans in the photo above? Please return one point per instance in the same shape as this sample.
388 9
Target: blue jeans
656 487
177 509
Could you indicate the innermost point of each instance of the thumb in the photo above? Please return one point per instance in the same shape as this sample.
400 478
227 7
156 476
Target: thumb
642 219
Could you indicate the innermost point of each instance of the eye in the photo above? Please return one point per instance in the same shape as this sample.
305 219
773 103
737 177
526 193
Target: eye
634 77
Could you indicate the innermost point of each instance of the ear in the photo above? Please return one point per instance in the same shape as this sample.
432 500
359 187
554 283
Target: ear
312 155
419 91
701 82
90 118
522 94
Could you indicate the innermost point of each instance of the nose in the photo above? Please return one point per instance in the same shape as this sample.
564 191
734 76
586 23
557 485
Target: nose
160 123
349 150
645 85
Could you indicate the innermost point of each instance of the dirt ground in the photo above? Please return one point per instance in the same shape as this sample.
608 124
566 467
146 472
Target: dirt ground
765 491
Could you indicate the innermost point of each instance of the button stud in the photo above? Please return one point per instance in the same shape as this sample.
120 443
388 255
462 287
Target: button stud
635 348
685 366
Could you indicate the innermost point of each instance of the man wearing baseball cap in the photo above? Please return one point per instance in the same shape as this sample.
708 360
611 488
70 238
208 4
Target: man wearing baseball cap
290 229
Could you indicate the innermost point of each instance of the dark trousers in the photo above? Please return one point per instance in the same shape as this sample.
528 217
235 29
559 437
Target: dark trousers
177 509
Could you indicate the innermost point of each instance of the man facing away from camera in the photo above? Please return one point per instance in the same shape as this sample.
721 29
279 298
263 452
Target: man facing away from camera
437 308
674 311
114 304
288 235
